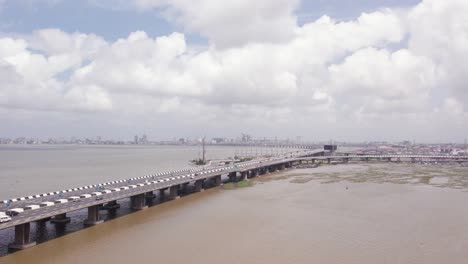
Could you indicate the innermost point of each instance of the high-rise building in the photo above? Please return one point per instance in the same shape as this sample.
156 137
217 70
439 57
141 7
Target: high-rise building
136 140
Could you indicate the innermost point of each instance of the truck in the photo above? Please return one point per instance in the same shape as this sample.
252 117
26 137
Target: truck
74 198
59 201
14 211
32 207
45 204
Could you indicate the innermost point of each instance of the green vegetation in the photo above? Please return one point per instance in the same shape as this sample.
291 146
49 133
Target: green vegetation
233 185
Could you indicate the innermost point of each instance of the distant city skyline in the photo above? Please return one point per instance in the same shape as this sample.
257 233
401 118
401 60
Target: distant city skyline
347 70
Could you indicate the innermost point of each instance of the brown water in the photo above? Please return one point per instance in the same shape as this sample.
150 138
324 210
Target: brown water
323 215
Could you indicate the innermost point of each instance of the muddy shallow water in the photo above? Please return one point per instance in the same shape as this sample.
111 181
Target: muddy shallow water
355 213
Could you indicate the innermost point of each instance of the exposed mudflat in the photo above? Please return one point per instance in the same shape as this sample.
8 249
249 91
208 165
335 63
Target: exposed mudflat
439 175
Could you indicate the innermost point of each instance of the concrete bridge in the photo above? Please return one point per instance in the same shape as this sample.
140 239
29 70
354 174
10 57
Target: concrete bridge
54 206
167 184
389 158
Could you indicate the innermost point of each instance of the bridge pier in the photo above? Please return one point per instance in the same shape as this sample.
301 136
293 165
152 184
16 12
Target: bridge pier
137 202
254 173
150 195
174 192
43 220
60 219
93 216
112 205
184 188
217 180
245 176
198 186
22 237
233 177
328 160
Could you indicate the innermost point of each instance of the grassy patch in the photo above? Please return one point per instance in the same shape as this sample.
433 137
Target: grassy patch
243 184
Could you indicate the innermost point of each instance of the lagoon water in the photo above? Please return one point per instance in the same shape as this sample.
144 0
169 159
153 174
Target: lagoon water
333 214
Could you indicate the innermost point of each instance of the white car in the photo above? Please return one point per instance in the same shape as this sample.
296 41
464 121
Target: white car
4 218
85 195
96 193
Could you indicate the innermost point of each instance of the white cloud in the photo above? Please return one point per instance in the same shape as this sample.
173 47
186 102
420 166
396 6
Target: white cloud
231 23
260 68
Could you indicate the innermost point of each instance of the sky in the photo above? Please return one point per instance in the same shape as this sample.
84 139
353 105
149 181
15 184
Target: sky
345 70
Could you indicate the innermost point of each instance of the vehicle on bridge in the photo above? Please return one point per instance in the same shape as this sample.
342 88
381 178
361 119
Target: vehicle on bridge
74 198
14 211
4 218
45 204
59 201
32 207
85 195
96 193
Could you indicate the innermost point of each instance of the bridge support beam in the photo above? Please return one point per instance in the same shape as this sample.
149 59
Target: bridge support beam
198 186
137 202
174 192
22 237
93 216
60 219
112 205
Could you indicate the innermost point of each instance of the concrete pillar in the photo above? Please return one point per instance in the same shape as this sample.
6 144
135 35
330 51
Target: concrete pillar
150 195
112 205
162 194
217 180
245 175
41 221
93 216
413 160
267 170
60 219
174 192
389 159
328 160
254 173
184 188
137 202
233 177
22 237
198 186
346 160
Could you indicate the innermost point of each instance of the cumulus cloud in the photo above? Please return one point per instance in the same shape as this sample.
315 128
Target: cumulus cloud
258 67
231 23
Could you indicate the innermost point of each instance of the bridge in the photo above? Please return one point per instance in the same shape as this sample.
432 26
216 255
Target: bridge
390 157
46 206
54 206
